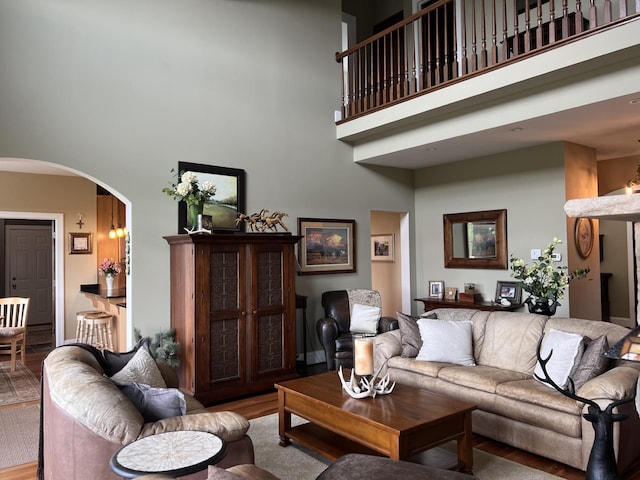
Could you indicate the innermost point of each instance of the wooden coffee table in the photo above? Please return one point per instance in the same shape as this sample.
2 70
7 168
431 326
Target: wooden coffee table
400 425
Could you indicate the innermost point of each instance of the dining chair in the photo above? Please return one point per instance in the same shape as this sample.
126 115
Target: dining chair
13 327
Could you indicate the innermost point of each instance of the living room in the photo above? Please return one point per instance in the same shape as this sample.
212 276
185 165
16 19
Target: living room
121 92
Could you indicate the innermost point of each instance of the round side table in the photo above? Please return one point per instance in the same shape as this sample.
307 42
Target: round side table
175 454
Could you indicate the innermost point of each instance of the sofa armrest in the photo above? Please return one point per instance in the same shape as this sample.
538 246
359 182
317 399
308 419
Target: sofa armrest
615 384
229 426
169 374
385 346
387 324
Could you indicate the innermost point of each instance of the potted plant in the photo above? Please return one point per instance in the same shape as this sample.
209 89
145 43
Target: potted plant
544 280
110 269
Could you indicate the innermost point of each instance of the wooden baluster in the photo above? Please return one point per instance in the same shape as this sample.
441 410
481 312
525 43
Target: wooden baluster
505 45
607 9
593 18
474 39
463 57
516 33
579 18
552 22
539 25
623 8
420 55
379 86
445 60
494 34
527 27
454 63
483 52
565 19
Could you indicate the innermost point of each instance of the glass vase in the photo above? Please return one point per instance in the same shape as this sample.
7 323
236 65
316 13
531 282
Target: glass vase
194 210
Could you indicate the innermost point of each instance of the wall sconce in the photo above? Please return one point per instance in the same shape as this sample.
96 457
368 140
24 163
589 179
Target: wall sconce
633 186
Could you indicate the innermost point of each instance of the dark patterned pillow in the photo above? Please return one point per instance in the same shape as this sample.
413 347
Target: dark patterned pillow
154 403
410 334
592 362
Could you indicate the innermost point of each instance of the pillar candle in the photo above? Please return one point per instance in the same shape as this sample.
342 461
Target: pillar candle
363 353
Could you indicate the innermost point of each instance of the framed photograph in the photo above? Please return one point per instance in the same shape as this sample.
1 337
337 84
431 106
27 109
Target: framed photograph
327 246
509 290
382 248
436 289
584 236
80 243
450 293
225 205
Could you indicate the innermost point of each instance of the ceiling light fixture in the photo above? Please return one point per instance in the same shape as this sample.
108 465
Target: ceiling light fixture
634 101
516 129
112 230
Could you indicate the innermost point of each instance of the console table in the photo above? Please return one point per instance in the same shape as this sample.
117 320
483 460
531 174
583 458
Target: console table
433 303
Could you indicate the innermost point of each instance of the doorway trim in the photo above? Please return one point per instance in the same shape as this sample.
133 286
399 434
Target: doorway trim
58 255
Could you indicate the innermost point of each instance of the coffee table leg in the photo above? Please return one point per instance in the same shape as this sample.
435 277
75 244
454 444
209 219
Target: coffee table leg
465 446
284 420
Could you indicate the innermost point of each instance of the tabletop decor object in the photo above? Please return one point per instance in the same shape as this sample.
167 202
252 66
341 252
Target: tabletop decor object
109 268
261 222
362 383
189 190
544 280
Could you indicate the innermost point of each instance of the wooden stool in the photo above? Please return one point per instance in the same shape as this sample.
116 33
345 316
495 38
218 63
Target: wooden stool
98 330
81 326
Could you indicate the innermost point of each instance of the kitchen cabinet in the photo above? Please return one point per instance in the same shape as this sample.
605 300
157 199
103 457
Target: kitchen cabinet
233 307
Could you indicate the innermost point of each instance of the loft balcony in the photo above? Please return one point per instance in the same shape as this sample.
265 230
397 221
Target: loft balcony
450 81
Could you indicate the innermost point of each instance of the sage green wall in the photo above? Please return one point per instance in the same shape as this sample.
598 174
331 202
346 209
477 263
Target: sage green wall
528 183
122 91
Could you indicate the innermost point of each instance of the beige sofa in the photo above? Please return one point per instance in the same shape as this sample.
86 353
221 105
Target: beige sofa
513 407
86 418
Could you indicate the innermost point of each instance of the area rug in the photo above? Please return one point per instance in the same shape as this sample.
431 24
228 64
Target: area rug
19 386
19 428
295 462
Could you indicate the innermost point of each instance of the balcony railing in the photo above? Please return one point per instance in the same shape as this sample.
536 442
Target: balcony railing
452 40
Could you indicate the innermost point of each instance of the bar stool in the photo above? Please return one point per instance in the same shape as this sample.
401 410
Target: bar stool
81 326
98 330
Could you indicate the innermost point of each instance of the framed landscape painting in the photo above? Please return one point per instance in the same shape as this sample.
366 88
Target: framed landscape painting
225 205
327 246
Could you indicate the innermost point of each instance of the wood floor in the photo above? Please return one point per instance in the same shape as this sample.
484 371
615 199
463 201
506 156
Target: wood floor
266 404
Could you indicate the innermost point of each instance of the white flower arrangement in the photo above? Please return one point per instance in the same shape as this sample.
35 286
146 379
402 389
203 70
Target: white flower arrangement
189 190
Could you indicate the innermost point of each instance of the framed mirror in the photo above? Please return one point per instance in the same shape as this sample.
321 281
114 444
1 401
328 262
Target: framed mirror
476 240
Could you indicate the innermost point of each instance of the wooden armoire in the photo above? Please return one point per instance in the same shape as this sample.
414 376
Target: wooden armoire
233 308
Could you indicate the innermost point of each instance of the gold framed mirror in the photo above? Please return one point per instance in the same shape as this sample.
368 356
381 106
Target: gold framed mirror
476 239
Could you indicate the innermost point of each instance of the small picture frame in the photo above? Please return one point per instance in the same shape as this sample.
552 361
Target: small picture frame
436 288
382 248
451 293
509 290
80 243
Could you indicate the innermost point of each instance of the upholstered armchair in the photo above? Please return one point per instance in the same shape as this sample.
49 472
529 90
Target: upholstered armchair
87 416
336 328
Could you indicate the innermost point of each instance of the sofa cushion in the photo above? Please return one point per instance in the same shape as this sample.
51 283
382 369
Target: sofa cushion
239 472
154 403
563 351
410 333
429 369
592 362
446 341
482 377
364 319
141 368
536 393
510 341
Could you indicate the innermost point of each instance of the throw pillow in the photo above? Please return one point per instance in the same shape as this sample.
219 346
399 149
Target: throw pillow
592 362
141 368
154 403
409 334
364 319
567 351
115 361
446 341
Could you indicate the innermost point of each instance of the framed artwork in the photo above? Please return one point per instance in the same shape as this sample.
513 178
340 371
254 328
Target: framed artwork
80 243
382 248
451 293
584 236
225 205
436 289
327 246
509 290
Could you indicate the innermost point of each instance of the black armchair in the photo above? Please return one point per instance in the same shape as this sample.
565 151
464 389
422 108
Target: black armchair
334 329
